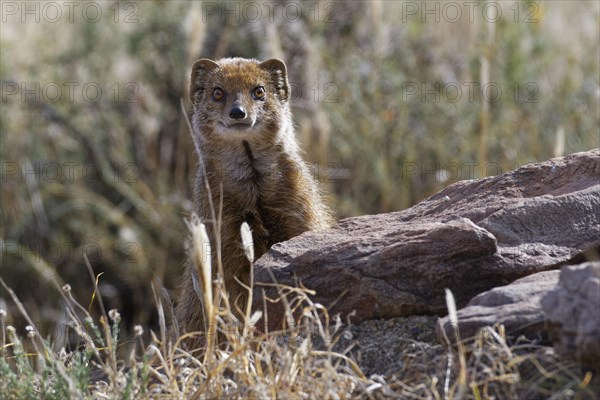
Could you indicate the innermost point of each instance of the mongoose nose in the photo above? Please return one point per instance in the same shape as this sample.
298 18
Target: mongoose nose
237 113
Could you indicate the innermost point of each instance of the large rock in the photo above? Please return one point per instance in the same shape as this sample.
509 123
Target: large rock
573 312
517 306
470 237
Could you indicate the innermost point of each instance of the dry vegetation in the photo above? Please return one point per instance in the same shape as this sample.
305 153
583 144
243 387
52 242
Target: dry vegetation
241 361
101 183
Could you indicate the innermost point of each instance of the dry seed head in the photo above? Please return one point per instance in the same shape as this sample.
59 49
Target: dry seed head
201 249
30 331
451 304
247 241
206 250
201 258
66 288
254 318
202 243
114 315
138 330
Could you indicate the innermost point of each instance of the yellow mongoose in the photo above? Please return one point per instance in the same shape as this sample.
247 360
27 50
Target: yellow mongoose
242 123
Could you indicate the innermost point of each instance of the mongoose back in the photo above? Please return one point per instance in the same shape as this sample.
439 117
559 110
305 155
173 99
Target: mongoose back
242 123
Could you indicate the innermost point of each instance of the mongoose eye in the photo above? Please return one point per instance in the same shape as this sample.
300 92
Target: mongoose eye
218 94
259 93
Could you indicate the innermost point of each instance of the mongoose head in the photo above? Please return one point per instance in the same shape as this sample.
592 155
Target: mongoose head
237 98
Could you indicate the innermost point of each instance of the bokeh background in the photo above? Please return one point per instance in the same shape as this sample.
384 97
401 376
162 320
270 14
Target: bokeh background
393 100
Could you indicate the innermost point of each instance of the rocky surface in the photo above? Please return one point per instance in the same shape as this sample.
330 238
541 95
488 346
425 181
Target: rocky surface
517 306
470 237
573 311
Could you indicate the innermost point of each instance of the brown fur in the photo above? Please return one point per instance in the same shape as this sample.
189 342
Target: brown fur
258 166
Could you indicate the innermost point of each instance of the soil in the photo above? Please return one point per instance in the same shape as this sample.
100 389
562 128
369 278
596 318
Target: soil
378 345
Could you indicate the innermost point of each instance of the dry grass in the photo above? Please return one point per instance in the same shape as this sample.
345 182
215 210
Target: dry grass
249 363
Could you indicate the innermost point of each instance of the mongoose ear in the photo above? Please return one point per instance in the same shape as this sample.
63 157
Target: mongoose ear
278 73
198 78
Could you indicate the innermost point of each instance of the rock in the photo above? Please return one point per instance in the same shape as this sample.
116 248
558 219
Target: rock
516 306
573 312
470 237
